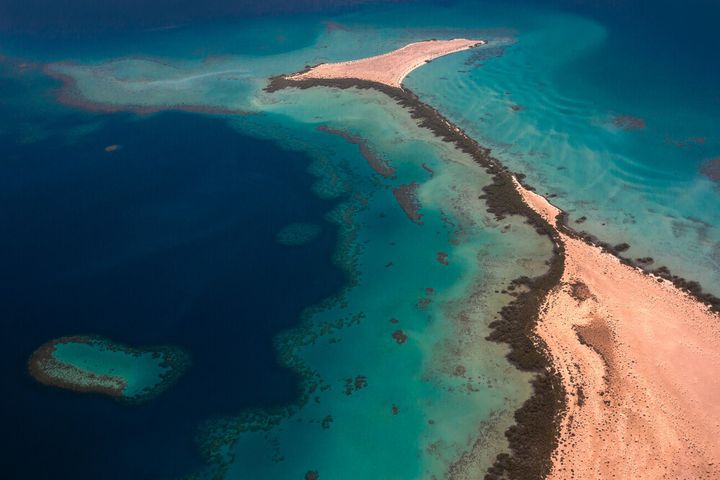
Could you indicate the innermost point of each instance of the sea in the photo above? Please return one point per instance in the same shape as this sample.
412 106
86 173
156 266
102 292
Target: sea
335 312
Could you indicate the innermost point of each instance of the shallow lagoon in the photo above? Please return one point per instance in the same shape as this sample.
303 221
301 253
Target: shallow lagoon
99 365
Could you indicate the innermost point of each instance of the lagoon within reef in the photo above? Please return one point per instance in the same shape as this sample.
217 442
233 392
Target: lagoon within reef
394 240
93 364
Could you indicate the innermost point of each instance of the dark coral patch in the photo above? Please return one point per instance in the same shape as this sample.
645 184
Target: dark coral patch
78 376
354 384
645 261
442 257
686 142
711 169
326 422
628 122
399 336
621 247
480 55
376 162
406 196
533 439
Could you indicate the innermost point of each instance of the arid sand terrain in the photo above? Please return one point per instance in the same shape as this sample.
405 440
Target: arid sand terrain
640 362
392 67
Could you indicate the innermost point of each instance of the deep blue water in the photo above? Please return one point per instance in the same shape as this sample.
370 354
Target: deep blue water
83 18
169 240
652 48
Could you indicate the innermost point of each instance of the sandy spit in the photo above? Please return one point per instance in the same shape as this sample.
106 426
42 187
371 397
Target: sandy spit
640 361
392 67
639 358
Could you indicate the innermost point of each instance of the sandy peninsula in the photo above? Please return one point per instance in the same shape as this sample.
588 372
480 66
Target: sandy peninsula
392 67
638 357
639 360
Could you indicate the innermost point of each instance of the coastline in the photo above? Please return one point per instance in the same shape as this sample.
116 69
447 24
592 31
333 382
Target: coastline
392 67
534 436
634 352
535 439
42 361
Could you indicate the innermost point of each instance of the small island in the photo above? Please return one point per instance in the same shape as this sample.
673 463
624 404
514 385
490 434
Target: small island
392 67
94 364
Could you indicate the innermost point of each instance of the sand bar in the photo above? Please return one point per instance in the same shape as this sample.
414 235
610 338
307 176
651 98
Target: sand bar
640 361
392 67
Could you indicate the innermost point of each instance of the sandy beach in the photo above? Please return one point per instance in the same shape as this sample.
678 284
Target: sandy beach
639 360
392 67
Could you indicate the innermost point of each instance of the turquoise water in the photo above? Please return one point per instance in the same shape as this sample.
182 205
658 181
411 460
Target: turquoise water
394 263
571 75
399 381
168 240
142 371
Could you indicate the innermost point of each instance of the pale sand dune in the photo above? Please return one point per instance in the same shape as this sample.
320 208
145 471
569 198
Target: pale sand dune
643 384
392 67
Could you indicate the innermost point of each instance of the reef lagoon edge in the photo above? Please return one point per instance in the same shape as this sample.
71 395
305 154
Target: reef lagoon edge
535 438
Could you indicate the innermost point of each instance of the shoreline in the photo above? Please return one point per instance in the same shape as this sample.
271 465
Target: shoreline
636 356
534 437
392 67
542 423
42 361
534 441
